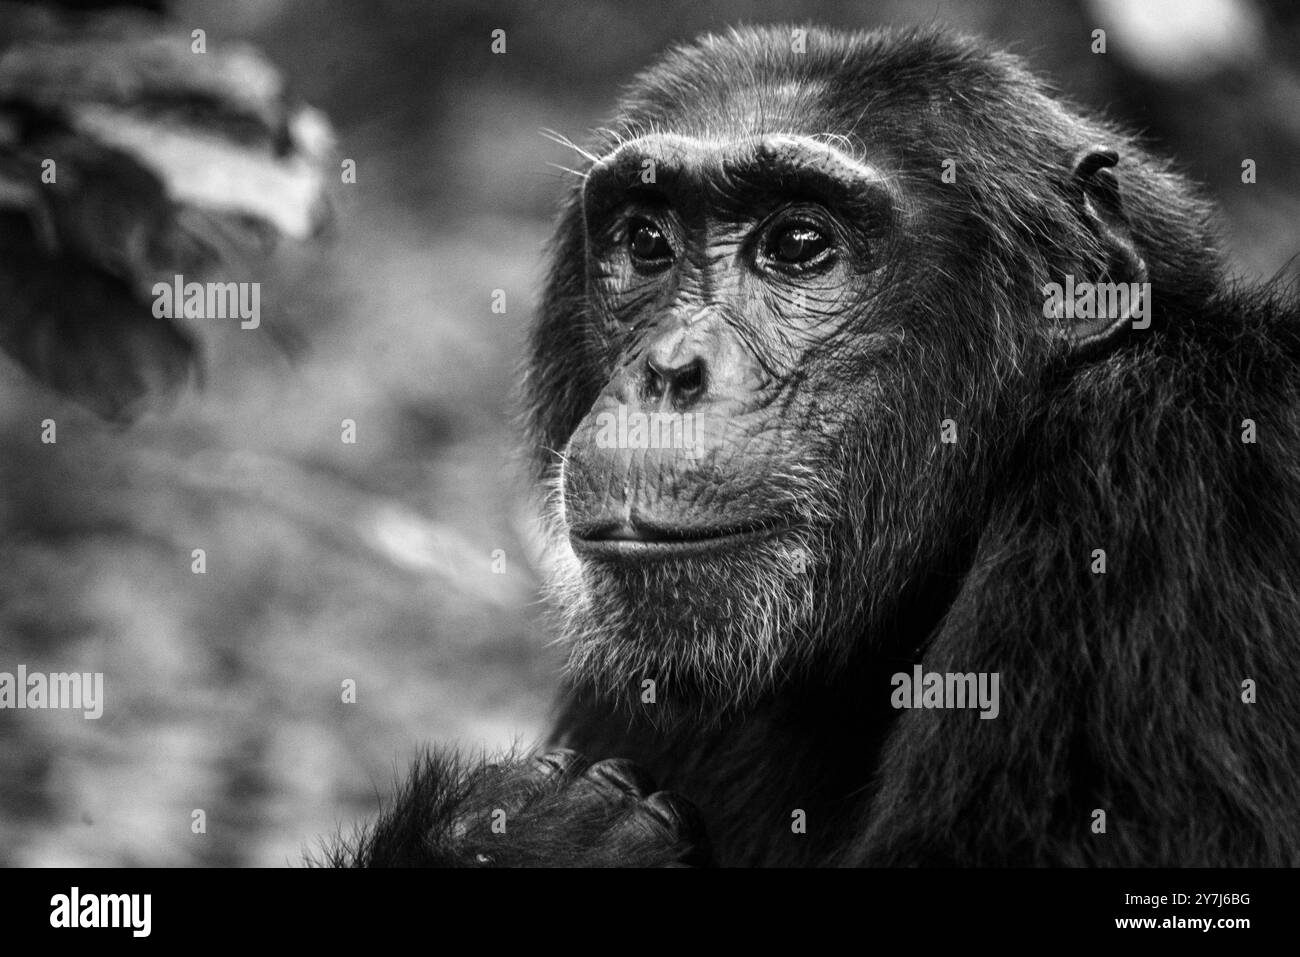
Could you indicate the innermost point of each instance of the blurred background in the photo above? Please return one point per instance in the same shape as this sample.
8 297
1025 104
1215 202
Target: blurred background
374 561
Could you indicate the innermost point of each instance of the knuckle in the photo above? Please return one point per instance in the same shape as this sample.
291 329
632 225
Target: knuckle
623 776
560 762
674 813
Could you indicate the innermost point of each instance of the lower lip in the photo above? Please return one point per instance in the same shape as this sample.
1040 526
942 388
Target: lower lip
631 548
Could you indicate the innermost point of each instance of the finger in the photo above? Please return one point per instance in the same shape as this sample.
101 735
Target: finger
622 777
559 763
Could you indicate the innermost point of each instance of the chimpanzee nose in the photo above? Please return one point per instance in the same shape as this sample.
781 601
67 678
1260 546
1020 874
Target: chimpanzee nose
686 366
678 381
686 362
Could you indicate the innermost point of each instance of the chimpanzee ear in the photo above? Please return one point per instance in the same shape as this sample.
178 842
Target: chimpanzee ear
1095 191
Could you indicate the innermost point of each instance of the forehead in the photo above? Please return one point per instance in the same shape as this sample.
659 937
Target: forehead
733 94
731 108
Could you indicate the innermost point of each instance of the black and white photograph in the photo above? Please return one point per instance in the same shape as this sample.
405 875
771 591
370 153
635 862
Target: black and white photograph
591 434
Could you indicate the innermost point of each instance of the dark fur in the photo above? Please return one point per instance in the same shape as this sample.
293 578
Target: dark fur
1119 691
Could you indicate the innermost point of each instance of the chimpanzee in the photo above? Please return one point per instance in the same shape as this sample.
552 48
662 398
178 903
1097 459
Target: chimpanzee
982 546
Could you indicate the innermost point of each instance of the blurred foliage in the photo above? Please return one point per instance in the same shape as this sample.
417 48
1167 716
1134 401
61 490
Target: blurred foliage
372 561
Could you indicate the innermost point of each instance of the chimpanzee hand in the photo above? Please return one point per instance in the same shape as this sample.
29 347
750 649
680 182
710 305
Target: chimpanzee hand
552 810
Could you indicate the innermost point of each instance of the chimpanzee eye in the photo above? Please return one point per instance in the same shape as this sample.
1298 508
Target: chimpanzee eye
798 244
647 242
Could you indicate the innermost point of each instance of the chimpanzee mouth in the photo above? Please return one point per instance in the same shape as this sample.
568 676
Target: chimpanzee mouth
639 539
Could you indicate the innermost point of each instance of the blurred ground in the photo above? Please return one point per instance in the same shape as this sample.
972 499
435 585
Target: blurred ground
373 561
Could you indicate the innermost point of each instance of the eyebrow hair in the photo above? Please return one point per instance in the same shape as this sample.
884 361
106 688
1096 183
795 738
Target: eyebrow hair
806 152
675 150
796 161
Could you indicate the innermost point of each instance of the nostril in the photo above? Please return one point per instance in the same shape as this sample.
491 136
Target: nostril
688 382
681 385
655 384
